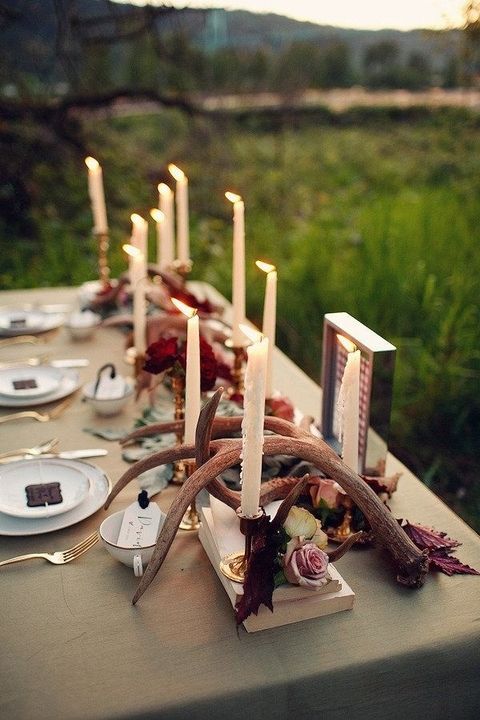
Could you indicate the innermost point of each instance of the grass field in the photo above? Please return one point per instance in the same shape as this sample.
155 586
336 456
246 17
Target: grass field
377 218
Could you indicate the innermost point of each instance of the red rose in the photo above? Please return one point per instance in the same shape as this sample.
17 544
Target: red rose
161 355
208 366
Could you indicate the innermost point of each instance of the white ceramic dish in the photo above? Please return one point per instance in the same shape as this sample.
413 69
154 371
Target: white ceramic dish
15 322
69 382
108 406
82 325
130 556
45 380
16 477
100 486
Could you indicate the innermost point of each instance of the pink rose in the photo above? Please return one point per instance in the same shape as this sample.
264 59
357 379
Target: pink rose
326 490
280 407
305 564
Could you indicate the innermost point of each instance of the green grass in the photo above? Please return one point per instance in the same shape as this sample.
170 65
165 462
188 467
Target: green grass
379 219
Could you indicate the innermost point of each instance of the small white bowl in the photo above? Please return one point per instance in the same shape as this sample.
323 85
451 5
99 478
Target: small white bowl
82 325
108 406
133 557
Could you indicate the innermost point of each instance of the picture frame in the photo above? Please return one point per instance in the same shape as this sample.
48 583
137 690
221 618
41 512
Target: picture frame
376 386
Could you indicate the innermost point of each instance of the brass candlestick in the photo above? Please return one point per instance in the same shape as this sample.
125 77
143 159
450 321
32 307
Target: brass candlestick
234 566
181 268
191 519
178 388
103 268
135 359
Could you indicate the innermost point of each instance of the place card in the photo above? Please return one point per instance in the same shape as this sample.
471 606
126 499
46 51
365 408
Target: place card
139 526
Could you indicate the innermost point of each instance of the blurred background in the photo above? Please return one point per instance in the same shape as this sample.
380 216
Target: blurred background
353 137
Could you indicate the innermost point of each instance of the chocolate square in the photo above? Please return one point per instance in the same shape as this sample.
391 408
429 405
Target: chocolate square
18 322
26 384
43 494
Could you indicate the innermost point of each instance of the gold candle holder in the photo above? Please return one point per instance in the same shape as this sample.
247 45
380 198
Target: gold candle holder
135 359
234 565
344 530
103 268
182 269
191 519
178 388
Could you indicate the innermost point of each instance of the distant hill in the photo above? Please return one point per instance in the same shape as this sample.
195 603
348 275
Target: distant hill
28 33
242 29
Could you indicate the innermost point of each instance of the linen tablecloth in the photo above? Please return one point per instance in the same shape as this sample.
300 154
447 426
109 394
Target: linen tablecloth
73 646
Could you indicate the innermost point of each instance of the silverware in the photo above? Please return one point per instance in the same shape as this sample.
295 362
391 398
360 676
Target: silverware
41 417
41 359
70 363
39 449
21 340
63 455
62 556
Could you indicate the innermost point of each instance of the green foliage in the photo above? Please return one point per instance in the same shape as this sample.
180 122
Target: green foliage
379 219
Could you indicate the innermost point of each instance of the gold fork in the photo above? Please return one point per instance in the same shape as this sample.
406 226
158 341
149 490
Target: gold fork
41 417
62 556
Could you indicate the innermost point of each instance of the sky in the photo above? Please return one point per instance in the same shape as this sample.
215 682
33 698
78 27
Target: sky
365 14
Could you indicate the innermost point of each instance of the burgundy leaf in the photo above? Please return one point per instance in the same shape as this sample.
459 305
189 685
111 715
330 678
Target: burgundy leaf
442 561
428 538
260 575
376 484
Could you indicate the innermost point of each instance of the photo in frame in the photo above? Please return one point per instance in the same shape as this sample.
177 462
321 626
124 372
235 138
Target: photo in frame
376 385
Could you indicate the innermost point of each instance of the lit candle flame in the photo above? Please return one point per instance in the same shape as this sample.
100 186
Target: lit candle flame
131 250
346 343
266 267
157 215
233 197
252 334
91 163
163 189
176 172
185 309
137 219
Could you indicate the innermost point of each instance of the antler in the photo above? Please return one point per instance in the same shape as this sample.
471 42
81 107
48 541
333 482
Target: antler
218 455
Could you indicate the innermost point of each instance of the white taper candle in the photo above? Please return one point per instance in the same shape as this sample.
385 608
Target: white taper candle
348 408
97 196
252 426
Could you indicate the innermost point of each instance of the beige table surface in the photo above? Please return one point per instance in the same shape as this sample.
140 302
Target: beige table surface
73 646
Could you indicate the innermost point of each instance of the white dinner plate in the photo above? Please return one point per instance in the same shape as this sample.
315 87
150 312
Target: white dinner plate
99 489
18 479
29 382
28 322
70 381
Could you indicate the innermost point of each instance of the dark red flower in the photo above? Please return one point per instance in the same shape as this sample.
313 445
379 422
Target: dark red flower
162 355
208 366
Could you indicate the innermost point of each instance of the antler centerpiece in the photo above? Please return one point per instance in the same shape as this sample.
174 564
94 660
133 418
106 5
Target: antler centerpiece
214 456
